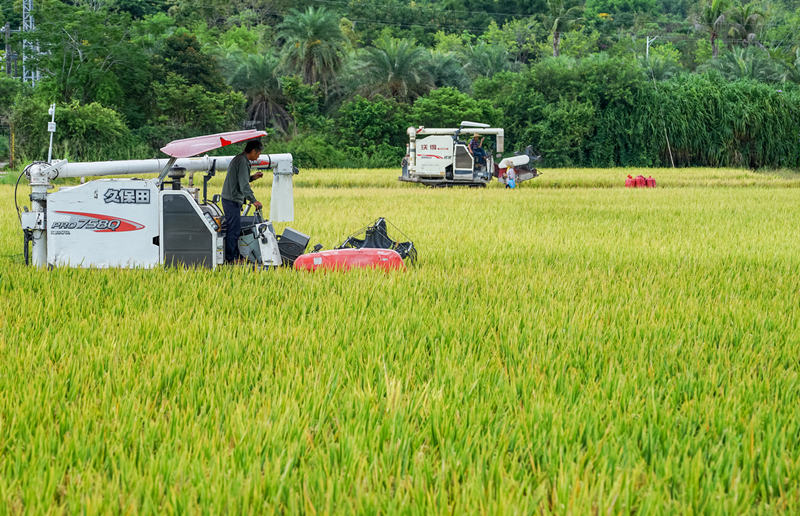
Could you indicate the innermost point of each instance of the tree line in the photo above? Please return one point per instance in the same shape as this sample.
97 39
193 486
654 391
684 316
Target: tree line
594 82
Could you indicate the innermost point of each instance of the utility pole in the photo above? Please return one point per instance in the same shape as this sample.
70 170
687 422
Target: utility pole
10 58
29 49
647 48
7 55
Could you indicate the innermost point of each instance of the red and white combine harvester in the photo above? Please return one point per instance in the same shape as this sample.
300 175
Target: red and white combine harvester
443 157
131 222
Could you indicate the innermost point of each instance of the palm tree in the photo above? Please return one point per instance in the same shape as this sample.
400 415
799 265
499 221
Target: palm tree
747 63
561 17
659 67
789 61
447 70
485 60
712 18
312 44
745 22
395 68
257 76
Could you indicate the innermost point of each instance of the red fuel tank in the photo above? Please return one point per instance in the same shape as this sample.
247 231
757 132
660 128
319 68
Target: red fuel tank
345 259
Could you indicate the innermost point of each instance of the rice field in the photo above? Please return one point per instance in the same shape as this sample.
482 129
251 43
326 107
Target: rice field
569 347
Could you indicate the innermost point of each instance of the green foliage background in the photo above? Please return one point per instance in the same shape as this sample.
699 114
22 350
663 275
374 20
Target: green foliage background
636 82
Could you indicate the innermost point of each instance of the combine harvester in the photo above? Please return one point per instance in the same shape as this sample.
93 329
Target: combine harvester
145 223
443 159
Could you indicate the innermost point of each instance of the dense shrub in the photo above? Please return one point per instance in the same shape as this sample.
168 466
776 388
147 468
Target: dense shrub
183 109
364 122
9 88
372 132
602 111
599 111
447 107
85 132
311 150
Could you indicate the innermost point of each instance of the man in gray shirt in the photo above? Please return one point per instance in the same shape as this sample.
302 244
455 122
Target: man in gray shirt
235 191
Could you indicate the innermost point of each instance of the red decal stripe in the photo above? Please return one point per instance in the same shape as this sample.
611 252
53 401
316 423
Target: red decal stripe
223 141
125 224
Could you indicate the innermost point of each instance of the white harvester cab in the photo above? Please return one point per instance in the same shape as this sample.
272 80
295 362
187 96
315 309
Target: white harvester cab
442 156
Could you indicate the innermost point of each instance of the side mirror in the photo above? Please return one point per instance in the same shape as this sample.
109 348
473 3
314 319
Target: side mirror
216 198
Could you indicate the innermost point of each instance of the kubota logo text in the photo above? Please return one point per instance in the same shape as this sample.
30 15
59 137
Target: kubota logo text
127 196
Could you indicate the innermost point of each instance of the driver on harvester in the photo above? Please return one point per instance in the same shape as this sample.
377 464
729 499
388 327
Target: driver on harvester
235 191
476 147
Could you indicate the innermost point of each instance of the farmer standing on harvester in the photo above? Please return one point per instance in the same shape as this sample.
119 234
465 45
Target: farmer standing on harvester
235 191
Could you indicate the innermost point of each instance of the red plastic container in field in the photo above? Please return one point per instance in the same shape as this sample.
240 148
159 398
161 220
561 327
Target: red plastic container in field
641 182
651 182
629 182
345 259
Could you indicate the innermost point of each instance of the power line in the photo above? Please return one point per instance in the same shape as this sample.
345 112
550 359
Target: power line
431 9
420 7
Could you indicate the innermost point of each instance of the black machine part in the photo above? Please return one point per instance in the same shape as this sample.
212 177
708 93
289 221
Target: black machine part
254 223
376 237
186 239
529 152
175 174
292 244
206 178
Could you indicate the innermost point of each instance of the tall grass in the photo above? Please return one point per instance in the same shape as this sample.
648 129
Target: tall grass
605 111
571 350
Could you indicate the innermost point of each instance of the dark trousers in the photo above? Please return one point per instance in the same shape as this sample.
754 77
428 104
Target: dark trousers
233 222
480 156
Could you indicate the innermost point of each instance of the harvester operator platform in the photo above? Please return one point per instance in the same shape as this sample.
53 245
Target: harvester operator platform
235 191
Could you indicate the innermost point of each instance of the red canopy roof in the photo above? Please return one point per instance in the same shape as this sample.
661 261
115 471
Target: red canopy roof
189 147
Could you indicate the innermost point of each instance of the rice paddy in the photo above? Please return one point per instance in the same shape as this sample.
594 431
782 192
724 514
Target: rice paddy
567 347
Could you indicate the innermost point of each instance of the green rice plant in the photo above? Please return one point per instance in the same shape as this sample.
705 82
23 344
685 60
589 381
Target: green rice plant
570 346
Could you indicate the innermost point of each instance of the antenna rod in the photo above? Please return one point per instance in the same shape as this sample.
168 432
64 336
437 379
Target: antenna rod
51 128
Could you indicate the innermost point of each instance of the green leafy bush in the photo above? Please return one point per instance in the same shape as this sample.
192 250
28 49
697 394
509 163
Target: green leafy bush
85 132
447 107
363 122
309 151
183 110
372 131
9 88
